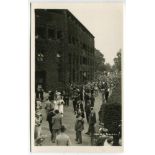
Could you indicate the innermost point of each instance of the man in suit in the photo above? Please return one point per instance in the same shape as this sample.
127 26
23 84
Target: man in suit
40 92
66 98
50 115
92 100
88 110
79 127
62 139
75 99
92 122
56 124
79 106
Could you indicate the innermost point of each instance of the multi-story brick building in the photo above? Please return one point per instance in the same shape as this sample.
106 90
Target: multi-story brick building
64 49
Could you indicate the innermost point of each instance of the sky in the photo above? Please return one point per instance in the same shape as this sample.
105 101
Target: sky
105 22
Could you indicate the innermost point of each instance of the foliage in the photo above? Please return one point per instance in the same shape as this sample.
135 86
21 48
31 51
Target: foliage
99 61
112 116
112 111
107 67
116 92
117 62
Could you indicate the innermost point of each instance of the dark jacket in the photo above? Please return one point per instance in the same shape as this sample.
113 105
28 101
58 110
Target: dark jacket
79 106
79 124
50 116
57 121
51 95
92 100
92 118
87 108
39 93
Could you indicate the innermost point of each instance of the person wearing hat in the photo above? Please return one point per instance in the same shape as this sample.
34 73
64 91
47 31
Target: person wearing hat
92 122
79 127
60 103
88 110
50 115
75 99
40 92
56 124
79 108
66 97
51 95
63 139
86 96
92 100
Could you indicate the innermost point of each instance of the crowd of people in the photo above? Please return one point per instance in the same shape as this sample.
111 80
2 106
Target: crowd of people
83 100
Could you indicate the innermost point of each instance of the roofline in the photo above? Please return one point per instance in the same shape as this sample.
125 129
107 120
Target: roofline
73 17
99 51
79 23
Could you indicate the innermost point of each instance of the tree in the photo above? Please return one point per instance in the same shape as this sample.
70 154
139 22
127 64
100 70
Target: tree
99 61
107 67
117 61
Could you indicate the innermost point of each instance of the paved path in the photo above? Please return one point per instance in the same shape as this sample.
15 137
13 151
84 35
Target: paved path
69 122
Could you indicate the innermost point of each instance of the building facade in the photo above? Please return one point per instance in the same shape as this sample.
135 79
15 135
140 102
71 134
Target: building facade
64 49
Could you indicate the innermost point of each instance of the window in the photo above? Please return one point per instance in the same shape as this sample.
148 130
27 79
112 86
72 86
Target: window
69 39
83 46
69 57
84 61
77 60
88 61
80 60
60 76
73 75
59 34
40 32
81 76
77 42
73 40
51 34
40 57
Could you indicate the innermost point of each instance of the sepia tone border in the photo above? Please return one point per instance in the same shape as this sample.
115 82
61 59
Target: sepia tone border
93 149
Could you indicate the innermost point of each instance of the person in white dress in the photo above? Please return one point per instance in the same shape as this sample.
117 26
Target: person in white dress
58 103
55 104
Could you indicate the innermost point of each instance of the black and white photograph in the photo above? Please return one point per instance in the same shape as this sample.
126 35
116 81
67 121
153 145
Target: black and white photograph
76 76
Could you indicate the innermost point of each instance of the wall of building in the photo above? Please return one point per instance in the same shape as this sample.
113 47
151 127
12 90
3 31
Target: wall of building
64 49
81 51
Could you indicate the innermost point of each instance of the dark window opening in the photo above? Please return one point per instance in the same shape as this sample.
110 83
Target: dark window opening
51 34
80 60
73 75
73 40
69 39
77 42
83 46
70 58
59 34
60 77
40 32
81 76
77 60
84 61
